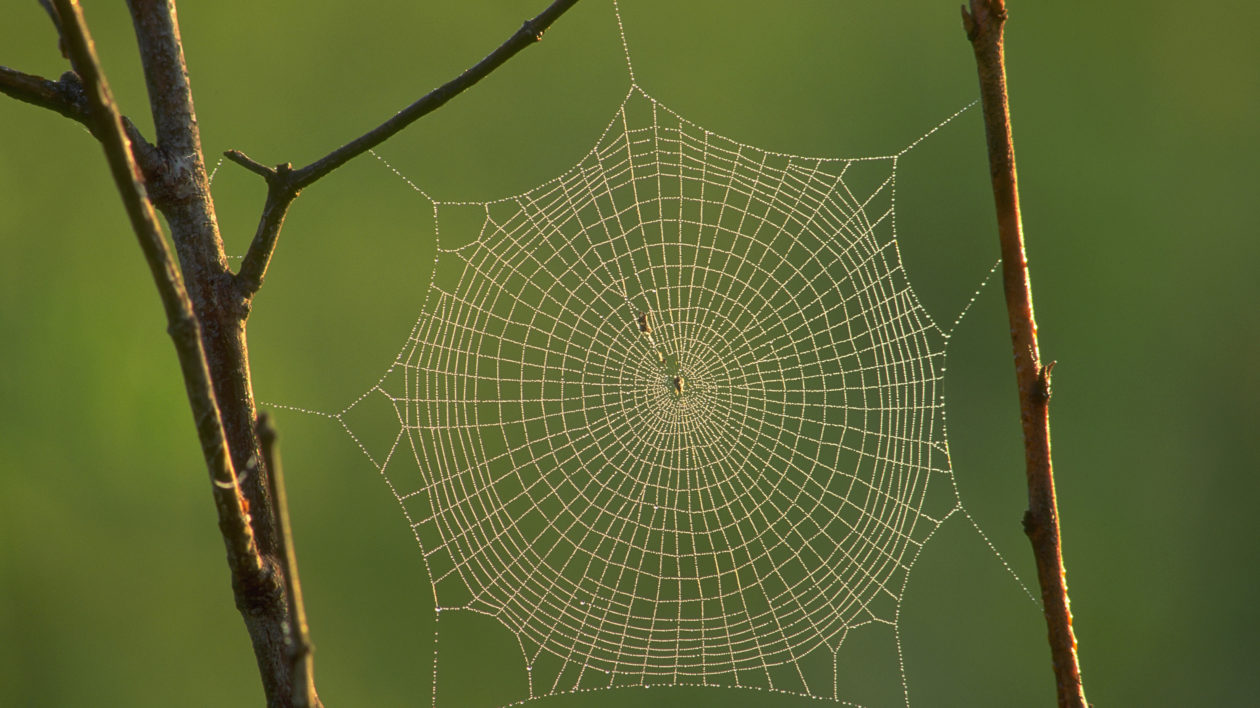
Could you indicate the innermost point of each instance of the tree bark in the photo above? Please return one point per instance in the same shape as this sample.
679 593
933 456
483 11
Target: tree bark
984 25
180 190
207 306
211 355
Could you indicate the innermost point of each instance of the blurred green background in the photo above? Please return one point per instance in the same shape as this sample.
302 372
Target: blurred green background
1135 129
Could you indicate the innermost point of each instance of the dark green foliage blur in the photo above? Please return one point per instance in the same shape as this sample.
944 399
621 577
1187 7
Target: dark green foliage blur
1135 130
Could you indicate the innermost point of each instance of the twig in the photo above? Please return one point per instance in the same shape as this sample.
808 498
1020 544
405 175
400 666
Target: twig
529 33
280 195
984 25
65 97
284 183
56 20
299 649
182 323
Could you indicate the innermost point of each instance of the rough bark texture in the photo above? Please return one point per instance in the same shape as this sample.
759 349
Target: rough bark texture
180 190
177 180
984 25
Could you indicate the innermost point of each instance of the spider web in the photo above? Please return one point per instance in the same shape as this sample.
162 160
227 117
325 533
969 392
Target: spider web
676 415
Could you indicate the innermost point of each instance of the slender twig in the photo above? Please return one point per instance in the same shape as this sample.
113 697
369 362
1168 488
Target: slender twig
299 649
284 188
529 33
248 163
182 323
56 20
984 25
280 195
65 96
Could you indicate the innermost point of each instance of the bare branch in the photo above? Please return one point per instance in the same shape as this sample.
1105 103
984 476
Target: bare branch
299 649
291 181
65 97
528 34
56 20
181 190
280 194
183 194
248 163
206 306
182 323
984 25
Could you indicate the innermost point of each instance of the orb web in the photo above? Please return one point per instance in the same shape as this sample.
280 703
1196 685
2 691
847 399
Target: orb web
676 414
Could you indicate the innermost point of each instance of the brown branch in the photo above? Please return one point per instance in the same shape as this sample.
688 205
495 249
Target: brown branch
984 25
284 183
299 649
206 321
182 322
55 16
280 195
207 308
66 97
181 191
529 33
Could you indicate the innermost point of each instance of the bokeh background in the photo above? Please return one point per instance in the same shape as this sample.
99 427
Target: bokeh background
1135 130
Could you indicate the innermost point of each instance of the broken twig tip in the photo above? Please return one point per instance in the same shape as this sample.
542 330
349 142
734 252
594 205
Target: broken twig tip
249 163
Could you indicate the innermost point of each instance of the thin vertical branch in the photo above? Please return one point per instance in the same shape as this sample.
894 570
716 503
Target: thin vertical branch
984 25
299 647
181 191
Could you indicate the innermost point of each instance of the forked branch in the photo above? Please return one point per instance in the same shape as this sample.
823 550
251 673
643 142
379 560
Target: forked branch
984 24
284 183
66 97
206 312
102 114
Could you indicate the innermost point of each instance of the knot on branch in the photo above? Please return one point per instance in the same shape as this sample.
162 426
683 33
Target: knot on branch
282 182
530 29
167 179
1042 392
70 89
261 590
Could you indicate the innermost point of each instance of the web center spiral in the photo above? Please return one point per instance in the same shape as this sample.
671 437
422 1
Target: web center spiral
676 413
